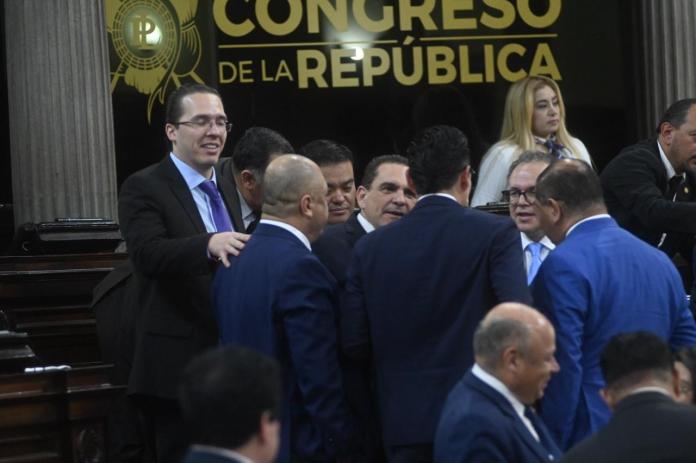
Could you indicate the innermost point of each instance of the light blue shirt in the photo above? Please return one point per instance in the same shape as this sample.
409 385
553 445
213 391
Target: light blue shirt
193 180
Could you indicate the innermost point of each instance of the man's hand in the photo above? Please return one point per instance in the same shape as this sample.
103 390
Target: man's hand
221 245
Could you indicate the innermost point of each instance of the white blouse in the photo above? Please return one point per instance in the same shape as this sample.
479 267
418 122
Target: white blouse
496 163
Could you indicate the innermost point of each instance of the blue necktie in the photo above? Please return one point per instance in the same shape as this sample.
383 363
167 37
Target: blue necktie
535 249
220 215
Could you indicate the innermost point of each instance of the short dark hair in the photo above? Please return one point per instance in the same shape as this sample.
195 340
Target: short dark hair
687 356
529 157
326 152
254 150
571 181
676 113
174 109
225 391
437 155
371 169
629 358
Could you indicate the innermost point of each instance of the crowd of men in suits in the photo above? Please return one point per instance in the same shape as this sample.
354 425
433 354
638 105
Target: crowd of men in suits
405 332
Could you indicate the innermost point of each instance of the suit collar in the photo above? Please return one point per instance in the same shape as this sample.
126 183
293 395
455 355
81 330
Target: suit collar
520 429
591 226
434 201
282 230
228 186
182 193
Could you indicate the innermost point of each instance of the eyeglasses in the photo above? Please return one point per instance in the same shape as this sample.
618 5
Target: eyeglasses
205 122
513 195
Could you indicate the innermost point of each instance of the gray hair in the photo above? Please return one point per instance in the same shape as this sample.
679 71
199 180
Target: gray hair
495 335
530 157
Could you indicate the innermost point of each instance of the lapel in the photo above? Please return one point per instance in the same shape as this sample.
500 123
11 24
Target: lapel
181 192
521 430
228 188
354 230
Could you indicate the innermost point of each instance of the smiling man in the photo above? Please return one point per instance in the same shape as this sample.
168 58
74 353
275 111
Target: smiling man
520 194
488 414
336 164
650 187
175 220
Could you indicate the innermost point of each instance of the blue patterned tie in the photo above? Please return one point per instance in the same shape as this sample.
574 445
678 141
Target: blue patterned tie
555 149
535 249
220 215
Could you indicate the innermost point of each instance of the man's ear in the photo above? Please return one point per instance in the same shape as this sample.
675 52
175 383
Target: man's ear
556 210
170 130
360 194
409 180
248 179
465 180
675 390
269 428
306 205
608 397
667 132
511 358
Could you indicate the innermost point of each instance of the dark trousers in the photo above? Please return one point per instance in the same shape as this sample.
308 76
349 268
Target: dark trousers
164 437
417 453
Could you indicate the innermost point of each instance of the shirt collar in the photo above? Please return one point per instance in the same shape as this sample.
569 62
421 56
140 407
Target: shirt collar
444 195
668 165
498 385
548 244
367 226
222 452
191 177
587 219
286 226
661 390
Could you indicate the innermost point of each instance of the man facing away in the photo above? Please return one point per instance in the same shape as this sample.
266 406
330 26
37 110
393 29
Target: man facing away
647 426
230 401
417 288
286 308
598 282
336 164
243 172
175 219
488 415
520 194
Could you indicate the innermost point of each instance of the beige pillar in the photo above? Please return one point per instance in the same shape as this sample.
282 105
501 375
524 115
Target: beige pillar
61 122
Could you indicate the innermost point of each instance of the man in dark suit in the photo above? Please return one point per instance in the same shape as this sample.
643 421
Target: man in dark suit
176 224
242 173
336 163
488 415
650 187
383 197
599 281
648 426
287 310
230 401
417 288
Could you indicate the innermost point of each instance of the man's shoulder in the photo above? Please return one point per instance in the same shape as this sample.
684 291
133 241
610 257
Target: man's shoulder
644 153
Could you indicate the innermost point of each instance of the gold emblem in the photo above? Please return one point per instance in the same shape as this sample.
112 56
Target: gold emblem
157 44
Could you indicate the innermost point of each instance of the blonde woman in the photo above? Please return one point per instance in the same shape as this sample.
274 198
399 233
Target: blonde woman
533 120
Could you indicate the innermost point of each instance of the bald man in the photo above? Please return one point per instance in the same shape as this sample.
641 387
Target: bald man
278 298
487 416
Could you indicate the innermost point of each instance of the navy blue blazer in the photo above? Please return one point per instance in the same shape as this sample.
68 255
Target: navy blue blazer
277 298
479 424
599 282
416 290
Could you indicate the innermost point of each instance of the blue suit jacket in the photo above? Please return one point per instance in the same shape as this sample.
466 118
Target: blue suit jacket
277 298
601 281
416 290
478 424
334 247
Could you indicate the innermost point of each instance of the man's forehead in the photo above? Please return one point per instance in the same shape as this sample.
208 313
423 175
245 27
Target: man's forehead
202 103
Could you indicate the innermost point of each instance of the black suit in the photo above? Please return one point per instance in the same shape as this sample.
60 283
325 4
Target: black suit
334 247
230 193
167 246
635 188
646 427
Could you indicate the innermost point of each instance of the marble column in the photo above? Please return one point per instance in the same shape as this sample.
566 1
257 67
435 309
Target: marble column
61 122
666 58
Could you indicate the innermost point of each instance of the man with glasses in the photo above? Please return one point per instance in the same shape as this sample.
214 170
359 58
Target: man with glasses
175 219
520 194
599 281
